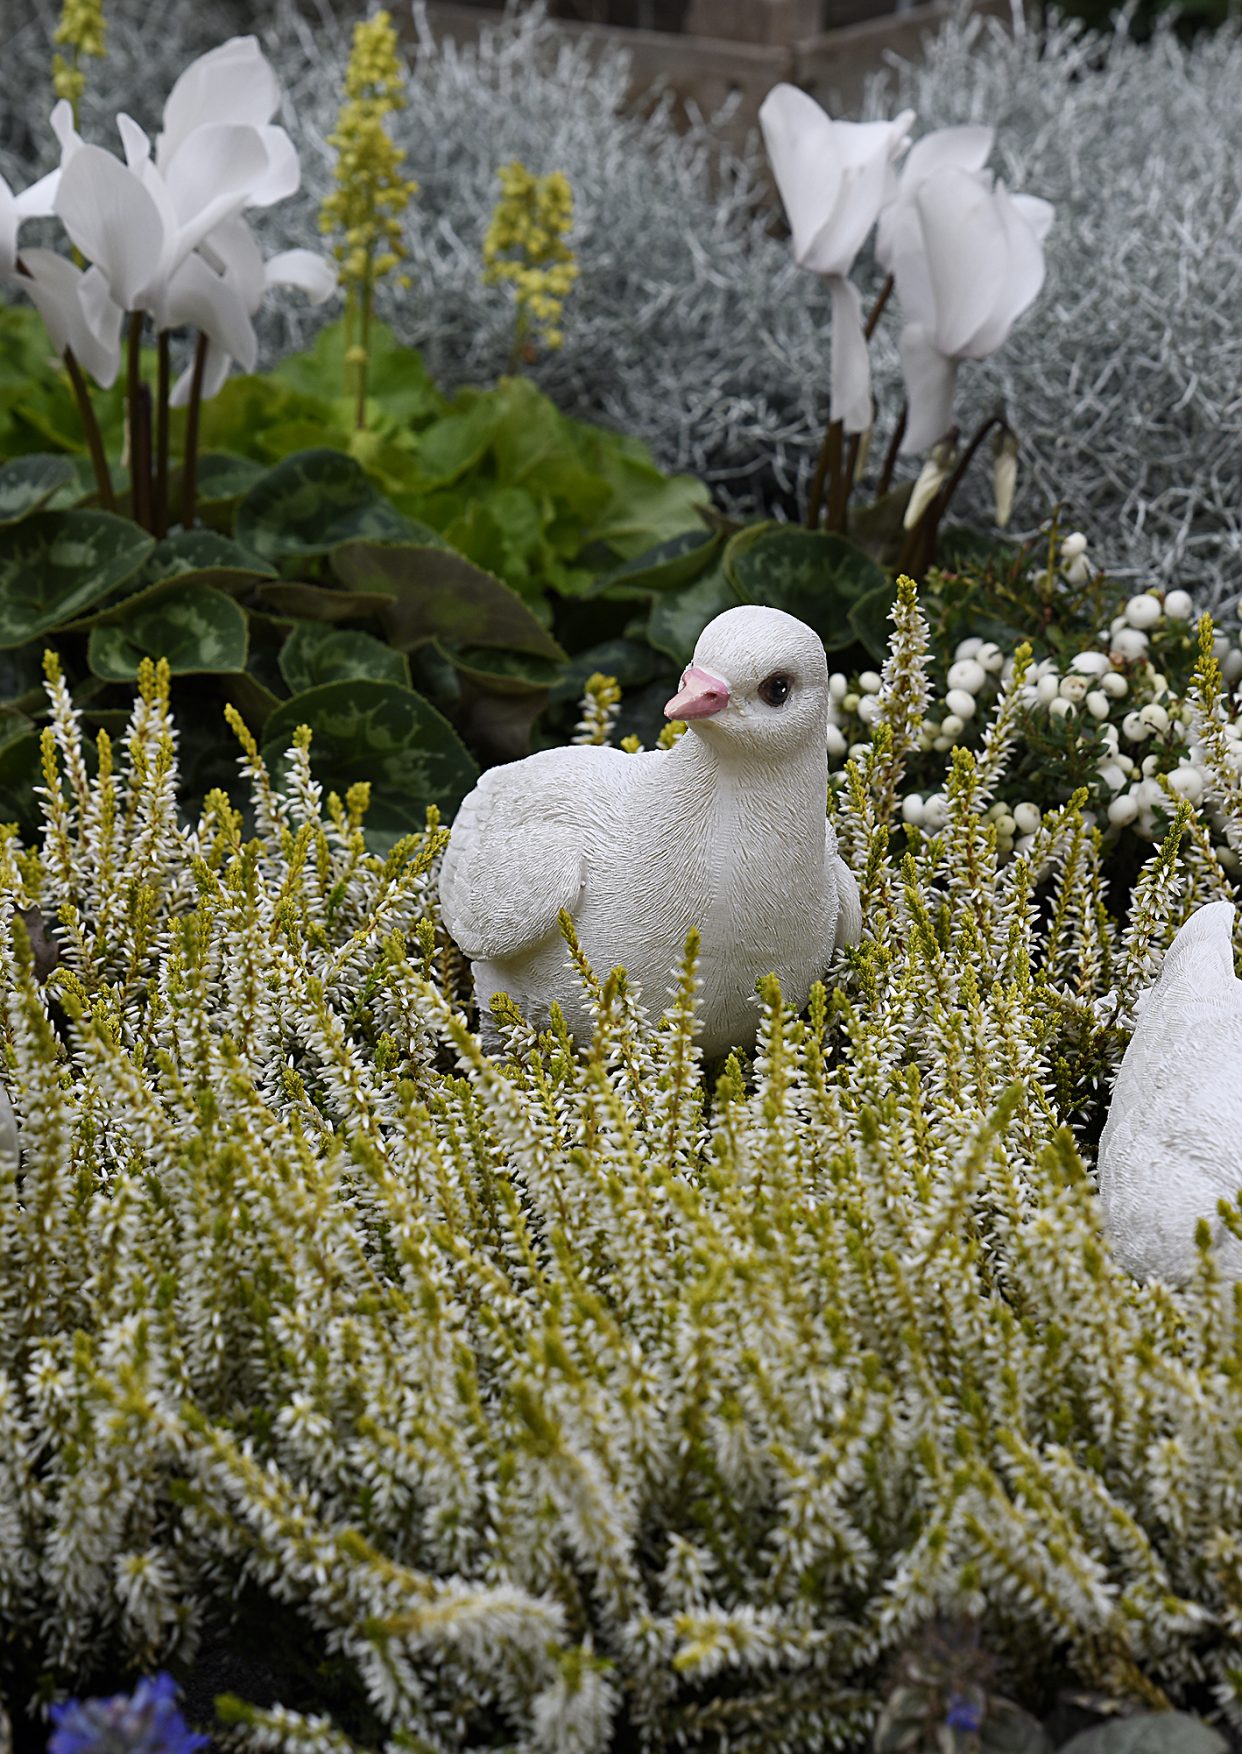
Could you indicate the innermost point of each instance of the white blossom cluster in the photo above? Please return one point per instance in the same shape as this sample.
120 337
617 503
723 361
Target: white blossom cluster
1112 697
575 1398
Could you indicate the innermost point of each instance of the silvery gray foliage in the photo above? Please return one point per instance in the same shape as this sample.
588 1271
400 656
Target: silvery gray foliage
690 325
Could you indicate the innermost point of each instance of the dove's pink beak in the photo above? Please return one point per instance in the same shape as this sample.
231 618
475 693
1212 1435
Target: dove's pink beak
701 694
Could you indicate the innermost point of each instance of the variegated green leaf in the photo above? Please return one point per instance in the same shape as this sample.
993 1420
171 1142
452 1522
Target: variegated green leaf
196 629
55 565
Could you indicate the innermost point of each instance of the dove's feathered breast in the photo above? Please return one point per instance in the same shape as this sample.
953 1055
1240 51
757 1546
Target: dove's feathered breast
1172 1144
725 832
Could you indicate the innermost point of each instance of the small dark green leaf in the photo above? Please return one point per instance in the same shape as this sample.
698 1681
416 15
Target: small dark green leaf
21 672
312 502
378 732
30 482
19 771
315 653
436 594
223 478
869 620
959 548
253 699
666 567
197 629
318 603
505 672
1156 1732
677 620
55 565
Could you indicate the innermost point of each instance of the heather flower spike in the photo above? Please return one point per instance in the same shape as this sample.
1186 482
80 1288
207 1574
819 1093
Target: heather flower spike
834 178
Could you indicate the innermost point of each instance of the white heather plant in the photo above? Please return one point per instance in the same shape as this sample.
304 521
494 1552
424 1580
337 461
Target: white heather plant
1122 384
574 1402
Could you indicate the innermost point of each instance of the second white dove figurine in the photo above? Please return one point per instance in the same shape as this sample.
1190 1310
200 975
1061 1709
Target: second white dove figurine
1172 1144
726 831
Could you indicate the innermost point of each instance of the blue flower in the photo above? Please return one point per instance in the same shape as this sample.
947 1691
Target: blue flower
147 1723
963 1714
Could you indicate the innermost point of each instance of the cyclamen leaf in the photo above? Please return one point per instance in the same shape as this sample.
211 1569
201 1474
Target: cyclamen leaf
315 653
311 503
378 732
28 483
210 557
812 574
55 565
666 567
224 478
436 594
196 629
677 620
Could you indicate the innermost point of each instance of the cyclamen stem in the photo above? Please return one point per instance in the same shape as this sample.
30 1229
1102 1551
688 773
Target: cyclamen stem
919 547
91 432
941 501
828 466
161 434
139 427
890 455
189 467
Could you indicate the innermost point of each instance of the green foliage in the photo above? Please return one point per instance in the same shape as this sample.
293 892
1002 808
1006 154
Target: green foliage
574 1399
461 531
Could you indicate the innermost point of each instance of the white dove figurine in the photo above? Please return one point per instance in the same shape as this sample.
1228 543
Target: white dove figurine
726 831
1172 1144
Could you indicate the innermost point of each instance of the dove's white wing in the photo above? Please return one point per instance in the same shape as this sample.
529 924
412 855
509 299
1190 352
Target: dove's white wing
519 850
849 907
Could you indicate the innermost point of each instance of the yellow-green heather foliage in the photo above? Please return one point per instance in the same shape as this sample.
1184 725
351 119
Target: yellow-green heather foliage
576 1400
526 246
366 206
81 31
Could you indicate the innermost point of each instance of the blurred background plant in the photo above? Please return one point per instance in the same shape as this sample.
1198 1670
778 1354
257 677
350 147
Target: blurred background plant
525 247
1123 390
365 207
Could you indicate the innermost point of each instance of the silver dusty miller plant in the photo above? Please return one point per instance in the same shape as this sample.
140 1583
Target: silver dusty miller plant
691 327
572 1399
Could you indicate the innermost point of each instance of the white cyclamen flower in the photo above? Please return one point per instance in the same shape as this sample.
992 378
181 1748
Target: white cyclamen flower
968 259
834 178
158 227
232 256
76 307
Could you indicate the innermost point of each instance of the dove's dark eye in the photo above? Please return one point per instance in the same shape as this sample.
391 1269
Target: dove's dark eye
774 689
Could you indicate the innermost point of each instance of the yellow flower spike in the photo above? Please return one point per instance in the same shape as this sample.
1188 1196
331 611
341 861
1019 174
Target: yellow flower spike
370 196
526 247
81 30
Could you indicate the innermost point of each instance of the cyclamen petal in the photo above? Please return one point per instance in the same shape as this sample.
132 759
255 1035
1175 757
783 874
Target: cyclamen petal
216 369
833 177
112 219
232 83
199 299
850 370
76 310
931 379
9 220
314 275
